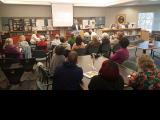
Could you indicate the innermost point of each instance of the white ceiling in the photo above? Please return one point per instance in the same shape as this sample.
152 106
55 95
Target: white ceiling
91 3
140 2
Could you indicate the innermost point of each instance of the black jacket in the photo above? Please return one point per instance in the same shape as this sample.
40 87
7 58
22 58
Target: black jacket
67 77
99 83
74 27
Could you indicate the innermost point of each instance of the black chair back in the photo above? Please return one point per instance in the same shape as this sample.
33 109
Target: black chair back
7 62
13 75
44 77
28 64
105 50
38 54
41 47
81 51
8 55
92 49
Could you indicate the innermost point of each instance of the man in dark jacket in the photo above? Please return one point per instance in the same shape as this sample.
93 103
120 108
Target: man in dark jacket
68 76
76 26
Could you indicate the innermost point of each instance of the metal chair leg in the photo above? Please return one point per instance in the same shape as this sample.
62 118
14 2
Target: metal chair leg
136 52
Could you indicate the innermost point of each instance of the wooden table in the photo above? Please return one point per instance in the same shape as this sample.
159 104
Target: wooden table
86 63
145 46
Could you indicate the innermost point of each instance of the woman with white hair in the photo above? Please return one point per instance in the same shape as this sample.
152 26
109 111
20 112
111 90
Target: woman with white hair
42 45
93 35
105 47
26 49
34 38
105 35
93 46
56 41
87 38
22 41
11 50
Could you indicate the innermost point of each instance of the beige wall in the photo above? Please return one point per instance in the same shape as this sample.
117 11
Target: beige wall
131 13
45 11
111 13
25 11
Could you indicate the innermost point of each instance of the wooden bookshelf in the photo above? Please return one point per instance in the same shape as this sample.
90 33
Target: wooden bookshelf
131 33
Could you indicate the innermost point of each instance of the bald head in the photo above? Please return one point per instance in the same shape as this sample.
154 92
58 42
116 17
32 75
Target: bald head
72 57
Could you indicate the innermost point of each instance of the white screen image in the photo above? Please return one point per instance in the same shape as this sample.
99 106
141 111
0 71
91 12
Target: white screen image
62 15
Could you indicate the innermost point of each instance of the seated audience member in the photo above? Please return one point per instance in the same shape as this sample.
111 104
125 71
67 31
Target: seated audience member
11 50
68 76
93 34
26 49
34 38
57 59
105 47
147 78
93 46
22 41
42 44
65 43
79 44
87 38
4 35
72 39
1 45
115 41
109 78
56 41
122 54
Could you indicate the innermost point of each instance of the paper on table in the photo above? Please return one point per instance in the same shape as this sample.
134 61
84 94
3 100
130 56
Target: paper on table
90 74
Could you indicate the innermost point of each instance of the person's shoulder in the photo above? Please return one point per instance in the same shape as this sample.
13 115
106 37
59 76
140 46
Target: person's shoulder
121 79
79 68
59 68
96 78
120 50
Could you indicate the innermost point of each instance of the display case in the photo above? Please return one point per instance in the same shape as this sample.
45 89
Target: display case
16 24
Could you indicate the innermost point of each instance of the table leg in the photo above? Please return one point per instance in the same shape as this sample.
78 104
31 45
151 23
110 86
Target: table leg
152 53
144 51
136 52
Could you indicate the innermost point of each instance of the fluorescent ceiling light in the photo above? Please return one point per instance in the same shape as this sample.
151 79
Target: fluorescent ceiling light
98 3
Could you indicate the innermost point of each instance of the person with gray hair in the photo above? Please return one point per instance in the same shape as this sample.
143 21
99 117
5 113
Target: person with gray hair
34 38
57 59
105 47
94 44
68 76
65 43
26 49
11 51
87 38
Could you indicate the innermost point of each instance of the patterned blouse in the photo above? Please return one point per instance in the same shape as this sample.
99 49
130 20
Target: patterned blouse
145 81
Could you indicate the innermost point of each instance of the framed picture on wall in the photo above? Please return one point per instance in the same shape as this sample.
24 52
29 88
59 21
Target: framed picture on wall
121 19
